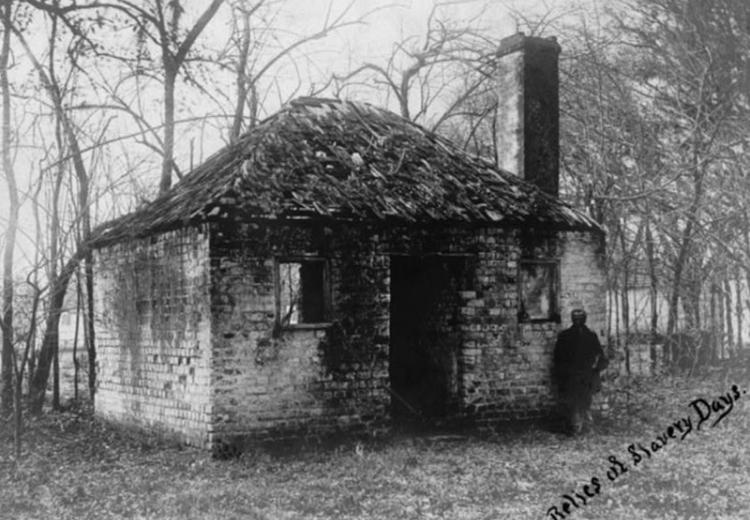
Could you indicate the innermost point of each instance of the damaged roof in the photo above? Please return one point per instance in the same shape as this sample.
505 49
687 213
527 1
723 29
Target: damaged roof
341 160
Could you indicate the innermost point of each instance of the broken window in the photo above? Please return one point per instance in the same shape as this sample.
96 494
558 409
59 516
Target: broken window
301 296
538 291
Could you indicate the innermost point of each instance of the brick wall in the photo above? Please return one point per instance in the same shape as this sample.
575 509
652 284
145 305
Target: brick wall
507 362
296 382
272 383
152 333
583 279
164 301
503 367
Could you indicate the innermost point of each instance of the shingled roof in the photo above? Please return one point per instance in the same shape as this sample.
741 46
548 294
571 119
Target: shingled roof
341 160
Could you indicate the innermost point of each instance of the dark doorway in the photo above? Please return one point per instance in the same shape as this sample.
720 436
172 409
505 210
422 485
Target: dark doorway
425 335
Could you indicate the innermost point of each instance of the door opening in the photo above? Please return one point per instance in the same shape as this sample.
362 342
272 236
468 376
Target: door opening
425 335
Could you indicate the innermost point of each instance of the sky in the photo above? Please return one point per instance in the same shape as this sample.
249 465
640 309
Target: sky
385 22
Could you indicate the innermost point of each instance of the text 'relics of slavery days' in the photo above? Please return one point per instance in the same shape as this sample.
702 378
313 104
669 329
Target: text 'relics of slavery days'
701 410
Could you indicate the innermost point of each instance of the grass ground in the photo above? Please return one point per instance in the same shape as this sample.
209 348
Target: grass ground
74 467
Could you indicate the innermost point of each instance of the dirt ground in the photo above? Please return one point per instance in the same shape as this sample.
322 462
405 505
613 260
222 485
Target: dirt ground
642 461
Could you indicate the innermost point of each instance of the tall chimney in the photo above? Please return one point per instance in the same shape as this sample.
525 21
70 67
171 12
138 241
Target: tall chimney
528 119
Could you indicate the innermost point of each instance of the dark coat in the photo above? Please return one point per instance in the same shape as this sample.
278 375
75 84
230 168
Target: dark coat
578 359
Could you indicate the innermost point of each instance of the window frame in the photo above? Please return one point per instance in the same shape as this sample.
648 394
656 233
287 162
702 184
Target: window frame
301 259
554 312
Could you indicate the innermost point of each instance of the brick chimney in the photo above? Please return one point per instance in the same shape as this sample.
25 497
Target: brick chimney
528 119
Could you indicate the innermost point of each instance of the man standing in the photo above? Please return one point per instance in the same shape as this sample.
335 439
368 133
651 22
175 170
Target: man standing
578 359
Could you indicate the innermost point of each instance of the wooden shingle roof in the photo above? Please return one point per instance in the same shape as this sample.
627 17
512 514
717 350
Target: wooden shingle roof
341 160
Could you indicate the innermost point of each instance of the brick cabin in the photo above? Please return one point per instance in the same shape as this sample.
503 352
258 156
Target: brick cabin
340 268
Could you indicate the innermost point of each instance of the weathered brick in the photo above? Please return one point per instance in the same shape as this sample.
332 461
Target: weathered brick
201 356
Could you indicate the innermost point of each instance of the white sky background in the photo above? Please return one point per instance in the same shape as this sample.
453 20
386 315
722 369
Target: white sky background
340 52
386 22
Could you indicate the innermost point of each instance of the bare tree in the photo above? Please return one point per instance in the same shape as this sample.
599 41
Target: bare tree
159 23
58 284
246 57
257 49
13 209
446 48
694 51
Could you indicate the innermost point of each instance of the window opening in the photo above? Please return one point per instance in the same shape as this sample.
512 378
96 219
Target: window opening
538 291
301 292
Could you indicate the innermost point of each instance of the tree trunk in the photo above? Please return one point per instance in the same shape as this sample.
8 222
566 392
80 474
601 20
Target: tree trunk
720 319
90 343
609 308
172 63
691 302
714 327
85 250
616 299
653 294
53 245
51 337
728 302
738 309
17 418
88 261
241 79
19 367
6 355
170 76
747 252
56 378
76 367
626 320
686 240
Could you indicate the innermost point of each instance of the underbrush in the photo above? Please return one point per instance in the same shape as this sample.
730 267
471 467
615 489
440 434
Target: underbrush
76 467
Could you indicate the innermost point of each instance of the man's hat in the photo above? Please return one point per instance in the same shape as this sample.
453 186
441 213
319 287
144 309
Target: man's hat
578 314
